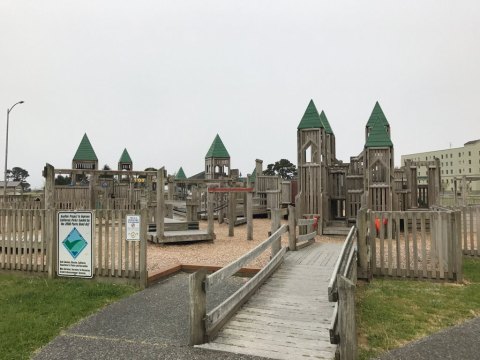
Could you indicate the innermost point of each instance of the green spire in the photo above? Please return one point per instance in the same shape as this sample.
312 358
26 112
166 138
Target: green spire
217 149
253 177
125 158
378 136
85 151
311 118
180 174
325 123
377 116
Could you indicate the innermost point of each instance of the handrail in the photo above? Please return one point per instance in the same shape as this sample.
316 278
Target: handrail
227 271
343 259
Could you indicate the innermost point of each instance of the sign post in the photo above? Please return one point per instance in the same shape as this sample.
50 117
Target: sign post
75 240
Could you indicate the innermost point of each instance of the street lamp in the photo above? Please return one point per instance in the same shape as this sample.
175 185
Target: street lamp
6 151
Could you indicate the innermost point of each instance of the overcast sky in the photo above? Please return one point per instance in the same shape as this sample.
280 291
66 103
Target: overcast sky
162 78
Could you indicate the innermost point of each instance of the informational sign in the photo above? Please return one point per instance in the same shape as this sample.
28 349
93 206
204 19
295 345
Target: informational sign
132 224
75 240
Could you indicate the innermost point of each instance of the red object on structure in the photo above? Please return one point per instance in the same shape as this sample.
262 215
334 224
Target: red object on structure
315 223
377 224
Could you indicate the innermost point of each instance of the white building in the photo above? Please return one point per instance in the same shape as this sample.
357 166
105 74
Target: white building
455 163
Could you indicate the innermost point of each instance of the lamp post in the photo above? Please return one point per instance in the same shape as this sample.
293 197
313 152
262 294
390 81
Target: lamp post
6 150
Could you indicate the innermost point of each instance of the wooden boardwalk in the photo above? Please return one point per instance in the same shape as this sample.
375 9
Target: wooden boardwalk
289 316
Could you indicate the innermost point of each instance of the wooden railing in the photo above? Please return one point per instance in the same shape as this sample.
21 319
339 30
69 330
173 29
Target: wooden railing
341 290
204 326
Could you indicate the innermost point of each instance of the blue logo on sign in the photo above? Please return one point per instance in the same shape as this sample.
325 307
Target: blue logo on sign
74 243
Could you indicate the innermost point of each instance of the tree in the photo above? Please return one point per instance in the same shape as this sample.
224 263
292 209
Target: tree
63 180
19 174
283 168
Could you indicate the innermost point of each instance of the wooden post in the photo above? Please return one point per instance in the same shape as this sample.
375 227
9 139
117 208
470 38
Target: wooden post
143 247
92 186
197 304
160 218
292 230
210 197
346 318
249 216
277 245
457 245
362 243
51 236
231 213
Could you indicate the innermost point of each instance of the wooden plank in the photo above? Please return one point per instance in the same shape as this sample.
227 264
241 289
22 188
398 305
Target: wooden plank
30 240
424 245
99 242
218 316
108 224
230 190
476 251
398 268
415 245
407 244
471 233
382 242
3 229
464 227
373 245
390 240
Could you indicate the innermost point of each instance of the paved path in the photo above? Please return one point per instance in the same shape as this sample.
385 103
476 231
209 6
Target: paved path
289 316
151 324
460 342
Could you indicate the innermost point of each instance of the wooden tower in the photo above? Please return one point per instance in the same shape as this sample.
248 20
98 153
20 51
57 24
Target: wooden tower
217 160
125 162
85 158
310 162
379 166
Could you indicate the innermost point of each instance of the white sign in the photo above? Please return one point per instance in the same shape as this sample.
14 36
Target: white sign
75 240
132 225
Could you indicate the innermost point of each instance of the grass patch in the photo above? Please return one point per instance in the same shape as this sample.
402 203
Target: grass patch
35 309
391 313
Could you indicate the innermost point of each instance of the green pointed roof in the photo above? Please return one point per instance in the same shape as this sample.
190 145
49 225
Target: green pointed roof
180 174
125 158
253 177
377 116
326 124
311 118
85 150
217 149
378 136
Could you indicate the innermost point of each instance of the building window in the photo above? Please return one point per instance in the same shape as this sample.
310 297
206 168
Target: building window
451 171
442 156
469 153
460 171
451 155
442 172
470 162
470 170
451 163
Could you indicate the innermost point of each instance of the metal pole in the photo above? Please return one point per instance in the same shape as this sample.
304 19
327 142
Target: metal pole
6 151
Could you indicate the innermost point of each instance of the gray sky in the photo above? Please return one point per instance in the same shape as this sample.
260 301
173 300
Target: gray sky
162 78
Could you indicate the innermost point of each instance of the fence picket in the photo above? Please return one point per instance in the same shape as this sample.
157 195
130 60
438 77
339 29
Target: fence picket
424 245
398 269
373 246
407 245
414 242
476 251
382 242
390 236
472 235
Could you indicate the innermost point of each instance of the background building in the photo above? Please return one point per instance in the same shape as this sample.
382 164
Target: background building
454 162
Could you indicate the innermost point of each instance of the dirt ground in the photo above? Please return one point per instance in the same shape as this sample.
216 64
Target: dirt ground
221 251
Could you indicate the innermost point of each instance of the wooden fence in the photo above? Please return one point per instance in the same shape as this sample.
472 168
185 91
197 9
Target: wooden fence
28 242
204 326
411 244
341 290
470 217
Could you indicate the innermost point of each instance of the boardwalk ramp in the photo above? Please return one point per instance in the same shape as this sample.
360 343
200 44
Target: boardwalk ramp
289 316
